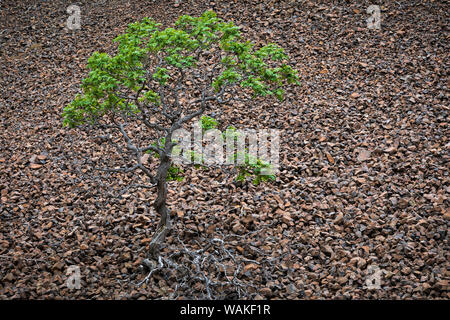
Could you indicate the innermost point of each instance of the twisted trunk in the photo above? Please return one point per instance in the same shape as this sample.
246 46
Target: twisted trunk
161 208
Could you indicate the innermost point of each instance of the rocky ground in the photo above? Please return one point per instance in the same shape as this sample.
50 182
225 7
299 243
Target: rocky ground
364 178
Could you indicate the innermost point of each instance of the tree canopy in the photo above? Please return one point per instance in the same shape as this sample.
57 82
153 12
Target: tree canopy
150 59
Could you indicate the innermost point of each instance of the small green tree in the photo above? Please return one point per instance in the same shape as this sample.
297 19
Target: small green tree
161 79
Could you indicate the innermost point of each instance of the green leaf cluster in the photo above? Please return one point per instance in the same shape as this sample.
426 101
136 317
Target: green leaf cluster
207 123
148 53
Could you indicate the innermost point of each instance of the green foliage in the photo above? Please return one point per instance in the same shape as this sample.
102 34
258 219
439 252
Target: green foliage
144 43
174 174
254 169
207 123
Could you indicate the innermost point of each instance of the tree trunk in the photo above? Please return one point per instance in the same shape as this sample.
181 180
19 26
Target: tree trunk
161 207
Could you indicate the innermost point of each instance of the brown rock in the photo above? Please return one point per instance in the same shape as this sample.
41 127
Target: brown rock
250 266
441 285
364 155
267 292
286 218
9 277
339 218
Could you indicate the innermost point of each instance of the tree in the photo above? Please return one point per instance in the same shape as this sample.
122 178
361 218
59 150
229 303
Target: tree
160 79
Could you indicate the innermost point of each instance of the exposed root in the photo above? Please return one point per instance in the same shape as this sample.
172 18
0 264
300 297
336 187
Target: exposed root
215 271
